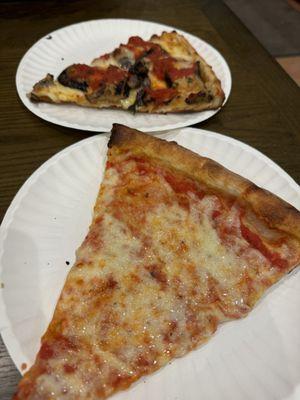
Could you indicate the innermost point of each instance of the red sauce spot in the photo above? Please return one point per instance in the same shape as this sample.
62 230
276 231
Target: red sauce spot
115 378
69 369
23 366
254 240
215 214
111 283
93 238
175 74
114 74
137 41
98 360
160 96
156 53
158 274
95 76
142 361
162 67
142 166
46 351
168 336
181 185
138 46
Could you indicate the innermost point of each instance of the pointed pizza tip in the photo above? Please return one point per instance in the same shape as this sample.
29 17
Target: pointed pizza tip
121 134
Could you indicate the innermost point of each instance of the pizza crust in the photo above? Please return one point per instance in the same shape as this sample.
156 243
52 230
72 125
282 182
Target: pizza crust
275 212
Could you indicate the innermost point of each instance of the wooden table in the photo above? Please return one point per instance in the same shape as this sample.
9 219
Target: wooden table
263 109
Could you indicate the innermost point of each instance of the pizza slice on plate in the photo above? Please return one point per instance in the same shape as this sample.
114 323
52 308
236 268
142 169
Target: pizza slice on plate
164 74
177 245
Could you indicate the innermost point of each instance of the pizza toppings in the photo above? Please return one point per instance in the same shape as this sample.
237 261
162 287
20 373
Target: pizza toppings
159 96
145 76
82 76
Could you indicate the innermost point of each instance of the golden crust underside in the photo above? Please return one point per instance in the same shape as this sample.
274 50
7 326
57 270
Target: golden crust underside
275 212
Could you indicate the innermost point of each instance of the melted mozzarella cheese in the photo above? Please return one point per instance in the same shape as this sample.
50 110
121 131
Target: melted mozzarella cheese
130 100
156 83
105 62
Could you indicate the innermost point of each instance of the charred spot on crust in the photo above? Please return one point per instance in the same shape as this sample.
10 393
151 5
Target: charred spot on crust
65 80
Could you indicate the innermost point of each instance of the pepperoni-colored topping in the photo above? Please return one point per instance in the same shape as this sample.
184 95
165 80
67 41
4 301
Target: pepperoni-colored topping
161 96
254 240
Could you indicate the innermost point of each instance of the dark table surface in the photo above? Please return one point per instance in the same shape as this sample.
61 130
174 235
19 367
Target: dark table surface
263 109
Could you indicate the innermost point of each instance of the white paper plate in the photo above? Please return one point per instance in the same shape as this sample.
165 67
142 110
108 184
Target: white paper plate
254 358
81 43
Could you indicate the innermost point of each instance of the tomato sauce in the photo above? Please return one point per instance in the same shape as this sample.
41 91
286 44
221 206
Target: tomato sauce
162 66
254 240
95 76
160 96
180 185
46 351
175 74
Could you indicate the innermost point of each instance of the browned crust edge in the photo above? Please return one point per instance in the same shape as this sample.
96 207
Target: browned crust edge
274 211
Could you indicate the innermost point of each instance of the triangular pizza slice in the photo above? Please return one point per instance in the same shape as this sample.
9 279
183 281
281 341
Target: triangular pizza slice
164 74
177 245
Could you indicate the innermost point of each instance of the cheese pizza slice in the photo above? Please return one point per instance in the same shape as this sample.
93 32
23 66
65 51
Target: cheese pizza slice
164 74
177 245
